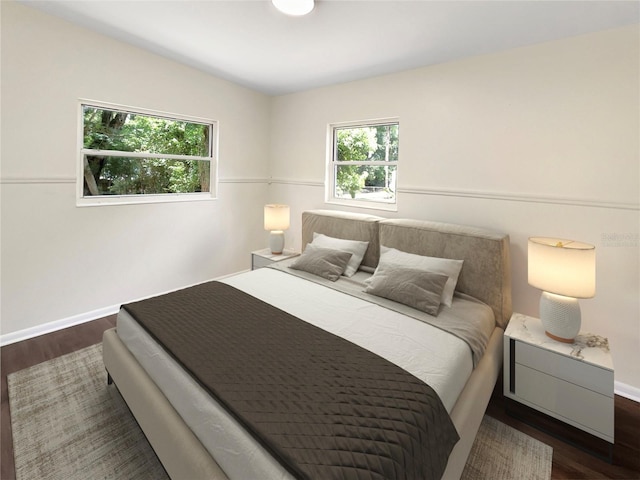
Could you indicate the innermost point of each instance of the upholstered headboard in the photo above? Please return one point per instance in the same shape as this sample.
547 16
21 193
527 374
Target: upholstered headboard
486 271
351 226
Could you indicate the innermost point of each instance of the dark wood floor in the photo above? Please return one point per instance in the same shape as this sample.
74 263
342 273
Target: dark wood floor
569 462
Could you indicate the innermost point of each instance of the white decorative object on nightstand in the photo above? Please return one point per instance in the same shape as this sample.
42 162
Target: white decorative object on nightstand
264 257
570 382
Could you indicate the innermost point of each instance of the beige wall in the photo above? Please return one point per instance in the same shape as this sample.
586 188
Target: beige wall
61 261
542 140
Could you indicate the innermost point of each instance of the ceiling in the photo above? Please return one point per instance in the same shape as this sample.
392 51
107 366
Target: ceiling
252 44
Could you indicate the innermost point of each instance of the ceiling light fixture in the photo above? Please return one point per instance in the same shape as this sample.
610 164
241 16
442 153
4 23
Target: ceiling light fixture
294 7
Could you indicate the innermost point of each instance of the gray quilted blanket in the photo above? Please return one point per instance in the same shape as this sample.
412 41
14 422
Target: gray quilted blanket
324 407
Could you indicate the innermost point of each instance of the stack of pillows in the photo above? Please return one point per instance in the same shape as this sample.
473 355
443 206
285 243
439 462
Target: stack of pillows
420 282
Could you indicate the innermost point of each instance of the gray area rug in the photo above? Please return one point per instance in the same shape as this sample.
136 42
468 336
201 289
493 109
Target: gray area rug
68 424
501 452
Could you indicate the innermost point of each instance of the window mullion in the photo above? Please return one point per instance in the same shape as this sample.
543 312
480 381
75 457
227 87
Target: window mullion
118 153
374 163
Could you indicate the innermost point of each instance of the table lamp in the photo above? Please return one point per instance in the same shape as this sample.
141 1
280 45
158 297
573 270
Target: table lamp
276 220
564 270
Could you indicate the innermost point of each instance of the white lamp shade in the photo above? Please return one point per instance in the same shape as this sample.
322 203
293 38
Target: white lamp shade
563 267
294 7
276 217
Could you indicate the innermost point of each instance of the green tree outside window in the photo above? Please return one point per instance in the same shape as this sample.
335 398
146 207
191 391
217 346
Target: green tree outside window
365 161
166 156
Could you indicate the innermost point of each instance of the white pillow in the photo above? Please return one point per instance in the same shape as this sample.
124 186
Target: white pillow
445 266
356 248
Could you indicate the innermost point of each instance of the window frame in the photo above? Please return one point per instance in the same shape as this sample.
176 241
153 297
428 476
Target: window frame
99 200
332 163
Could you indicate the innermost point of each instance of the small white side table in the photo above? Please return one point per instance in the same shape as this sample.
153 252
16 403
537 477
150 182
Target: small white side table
264 257
570 382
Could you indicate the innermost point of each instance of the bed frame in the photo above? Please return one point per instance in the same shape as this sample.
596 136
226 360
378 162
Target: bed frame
486 275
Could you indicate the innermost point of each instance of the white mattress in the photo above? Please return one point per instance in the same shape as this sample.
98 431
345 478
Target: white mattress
440 359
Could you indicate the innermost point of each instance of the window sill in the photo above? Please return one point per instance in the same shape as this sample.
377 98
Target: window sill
388 207
99 201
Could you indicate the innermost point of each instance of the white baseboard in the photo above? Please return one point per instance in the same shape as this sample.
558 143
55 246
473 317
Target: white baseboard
54 326
27 333
627 391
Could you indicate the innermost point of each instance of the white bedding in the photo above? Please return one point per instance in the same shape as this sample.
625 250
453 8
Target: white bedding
440 359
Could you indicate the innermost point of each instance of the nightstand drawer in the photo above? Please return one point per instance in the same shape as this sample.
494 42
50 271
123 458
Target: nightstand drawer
570 369
583 408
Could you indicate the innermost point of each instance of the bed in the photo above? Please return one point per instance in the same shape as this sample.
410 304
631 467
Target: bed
197 436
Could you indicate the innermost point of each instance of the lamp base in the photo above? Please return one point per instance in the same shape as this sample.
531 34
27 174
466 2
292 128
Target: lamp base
276 242
560 317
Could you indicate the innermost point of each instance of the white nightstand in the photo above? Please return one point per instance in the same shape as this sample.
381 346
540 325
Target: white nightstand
570 382
264 257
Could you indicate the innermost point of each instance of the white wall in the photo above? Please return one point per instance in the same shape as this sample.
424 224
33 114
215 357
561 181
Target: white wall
60 261
542 140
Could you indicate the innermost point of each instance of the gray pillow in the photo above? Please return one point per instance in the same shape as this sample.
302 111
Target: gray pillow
324 262
446 266
416 288
355 247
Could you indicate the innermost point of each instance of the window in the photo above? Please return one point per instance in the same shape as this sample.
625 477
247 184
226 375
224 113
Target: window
364 163
132 156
